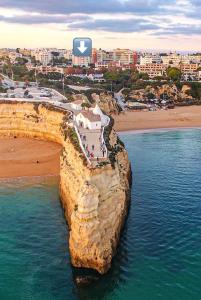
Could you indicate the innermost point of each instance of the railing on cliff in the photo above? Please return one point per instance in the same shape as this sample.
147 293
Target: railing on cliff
60 106
81 144
102 136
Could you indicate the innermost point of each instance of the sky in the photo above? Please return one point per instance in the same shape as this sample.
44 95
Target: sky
134 24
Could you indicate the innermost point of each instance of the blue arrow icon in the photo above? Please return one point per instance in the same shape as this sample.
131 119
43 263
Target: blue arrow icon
82 47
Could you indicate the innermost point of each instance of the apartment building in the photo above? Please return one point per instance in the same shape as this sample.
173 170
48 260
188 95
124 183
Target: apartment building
94 56
44 56
191 59
150 59
105 56
153 70
124 56
173 59
68 54
189 68
81 61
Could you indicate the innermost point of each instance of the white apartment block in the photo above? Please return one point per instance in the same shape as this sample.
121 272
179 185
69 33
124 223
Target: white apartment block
68 54
81 61
105 56
150 59
101 65
191 59
172 59
124 56
44 56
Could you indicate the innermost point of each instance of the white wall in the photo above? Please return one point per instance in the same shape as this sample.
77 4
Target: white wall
98 111
76 106
86 123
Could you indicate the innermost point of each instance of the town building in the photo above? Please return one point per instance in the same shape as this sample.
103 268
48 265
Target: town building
189 68
105 56
45 69
153 70
173 59
123 56
94 57
88 120
44 56
82 61
68 54
149 58
97 78
76 105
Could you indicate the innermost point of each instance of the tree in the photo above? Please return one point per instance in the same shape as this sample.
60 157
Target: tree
164 96
21 60
174 73
85 105
150 96
111 76
135 75
144 76
60 60
195 90
159 78
2 90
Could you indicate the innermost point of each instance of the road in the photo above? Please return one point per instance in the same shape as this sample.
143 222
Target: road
120 100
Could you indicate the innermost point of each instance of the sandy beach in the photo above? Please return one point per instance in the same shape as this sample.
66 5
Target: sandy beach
23 157
176 118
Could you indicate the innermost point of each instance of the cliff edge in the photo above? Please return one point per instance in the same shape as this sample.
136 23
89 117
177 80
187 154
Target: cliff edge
95 198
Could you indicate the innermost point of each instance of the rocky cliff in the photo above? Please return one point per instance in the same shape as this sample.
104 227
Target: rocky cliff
95 199
106 102
171 91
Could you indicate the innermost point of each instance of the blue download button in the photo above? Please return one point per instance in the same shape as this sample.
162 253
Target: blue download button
82 47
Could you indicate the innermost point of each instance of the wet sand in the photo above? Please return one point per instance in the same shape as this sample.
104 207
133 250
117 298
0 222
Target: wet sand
180 117
23 157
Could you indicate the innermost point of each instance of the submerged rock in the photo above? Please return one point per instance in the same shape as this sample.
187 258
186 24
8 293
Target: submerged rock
85 280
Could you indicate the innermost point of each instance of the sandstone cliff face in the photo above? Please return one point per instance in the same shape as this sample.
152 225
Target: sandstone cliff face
95 200
170 90
106 102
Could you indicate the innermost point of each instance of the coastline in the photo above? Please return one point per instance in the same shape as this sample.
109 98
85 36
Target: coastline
19 157
159 129
188 117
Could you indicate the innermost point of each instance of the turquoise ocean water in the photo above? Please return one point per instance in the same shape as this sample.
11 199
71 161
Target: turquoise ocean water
159 256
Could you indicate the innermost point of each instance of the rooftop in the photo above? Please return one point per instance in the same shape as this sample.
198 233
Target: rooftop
91 116
77 102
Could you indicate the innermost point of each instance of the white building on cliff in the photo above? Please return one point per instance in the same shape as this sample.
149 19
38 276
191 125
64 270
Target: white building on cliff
88 120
